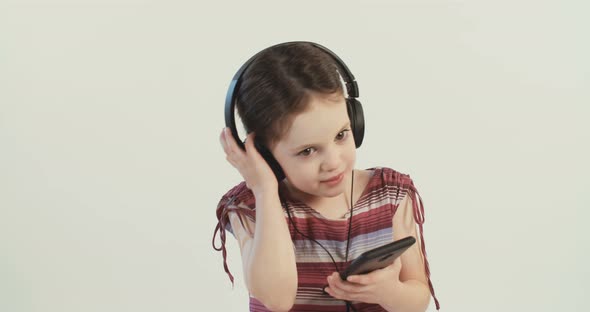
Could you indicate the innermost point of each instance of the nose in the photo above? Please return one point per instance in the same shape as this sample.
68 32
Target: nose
331 160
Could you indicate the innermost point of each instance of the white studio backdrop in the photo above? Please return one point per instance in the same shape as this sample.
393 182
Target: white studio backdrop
111 170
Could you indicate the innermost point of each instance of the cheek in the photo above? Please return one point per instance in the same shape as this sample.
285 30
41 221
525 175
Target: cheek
300 173
350 154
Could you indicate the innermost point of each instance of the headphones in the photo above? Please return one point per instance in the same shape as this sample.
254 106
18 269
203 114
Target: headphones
353 106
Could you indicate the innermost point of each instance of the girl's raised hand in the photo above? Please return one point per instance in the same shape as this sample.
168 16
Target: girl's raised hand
253 168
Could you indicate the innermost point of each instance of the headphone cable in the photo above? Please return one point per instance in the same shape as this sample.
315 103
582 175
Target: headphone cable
349 305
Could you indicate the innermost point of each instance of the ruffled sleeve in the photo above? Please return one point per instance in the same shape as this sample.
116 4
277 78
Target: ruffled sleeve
402 185
240 200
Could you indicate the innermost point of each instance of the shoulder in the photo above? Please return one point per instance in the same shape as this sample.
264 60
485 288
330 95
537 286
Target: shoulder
239 194
393 180
394 177
391 183
234 204
238 199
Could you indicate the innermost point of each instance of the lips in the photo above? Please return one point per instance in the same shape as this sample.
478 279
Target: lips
334 178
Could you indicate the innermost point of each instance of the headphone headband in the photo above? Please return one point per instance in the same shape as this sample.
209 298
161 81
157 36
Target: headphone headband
351 86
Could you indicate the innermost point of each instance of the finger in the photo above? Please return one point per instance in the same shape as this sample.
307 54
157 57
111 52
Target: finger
335 294
249 143
232 146
341 286
222 139
251 149
232 161
233 156
366 279
363 279
333 290
341 294
224 143
348 287
228 154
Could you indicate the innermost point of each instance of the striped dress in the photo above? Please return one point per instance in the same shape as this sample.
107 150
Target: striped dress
371 227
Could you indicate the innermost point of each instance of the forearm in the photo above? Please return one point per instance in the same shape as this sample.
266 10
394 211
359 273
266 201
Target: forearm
271 269
413 296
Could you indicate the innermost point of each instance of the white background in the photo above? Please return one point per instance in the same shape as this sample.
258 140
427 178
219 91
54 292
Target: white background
111 170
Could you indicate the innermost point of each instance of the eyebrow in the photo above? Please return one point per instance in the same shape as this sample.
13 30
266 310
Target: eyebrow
304 146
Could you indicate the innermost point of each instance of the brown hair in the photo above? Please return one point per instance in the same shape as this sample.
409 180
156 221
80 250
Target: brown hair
278 85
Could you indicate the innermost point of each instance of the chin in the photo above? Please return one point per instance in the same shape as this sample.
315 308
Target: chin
315 189
332 192
320 192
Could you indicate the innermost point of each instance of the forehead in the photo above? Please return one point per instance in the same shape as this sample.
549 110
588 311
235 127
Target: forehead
324 116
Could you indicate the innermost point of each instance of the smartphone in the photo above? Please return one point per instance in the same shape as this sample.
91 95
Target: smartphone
377 258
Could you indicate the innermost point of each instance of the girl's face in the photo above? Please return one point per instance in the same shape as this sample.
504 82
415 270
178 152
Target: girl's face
318 151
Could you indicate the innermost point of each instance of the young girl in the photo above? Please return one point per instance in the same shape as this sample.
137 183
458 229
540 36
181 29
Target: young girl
295 234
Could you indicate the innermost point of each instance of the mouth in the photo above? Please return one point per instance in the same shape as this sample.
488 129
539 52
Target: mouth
334 179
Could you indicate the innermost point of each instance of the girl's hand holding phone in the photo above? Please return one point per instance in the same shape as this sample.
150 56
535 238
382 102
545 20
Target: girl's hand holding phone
253 168
368 288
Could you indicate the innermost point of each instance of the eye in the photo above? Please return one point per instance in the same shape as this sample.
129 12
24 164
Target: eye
306 152
342 135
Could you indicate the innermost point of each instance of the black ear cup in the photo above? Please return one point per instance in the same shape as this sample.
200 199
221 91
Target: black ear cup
357 120
272 162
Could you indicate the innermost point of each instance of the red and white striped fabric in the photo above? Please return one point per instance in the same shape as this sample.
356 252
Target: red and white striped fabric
371 228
